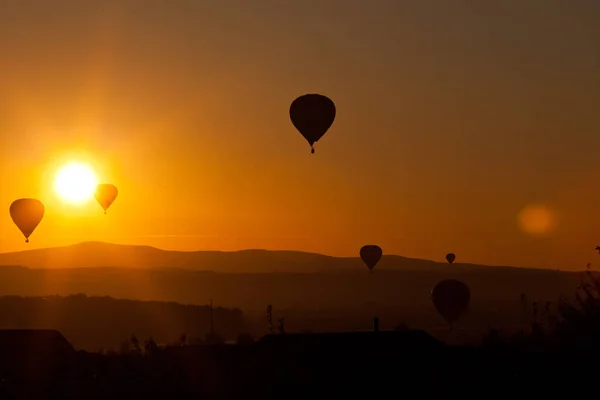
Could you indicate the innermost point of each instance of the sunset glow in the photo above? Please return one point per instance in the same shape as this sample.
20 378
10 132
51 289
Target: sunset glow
75 182
440 143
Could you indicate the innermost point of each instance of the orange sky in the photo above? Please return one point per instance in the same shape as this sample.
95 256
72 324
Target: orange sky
452 118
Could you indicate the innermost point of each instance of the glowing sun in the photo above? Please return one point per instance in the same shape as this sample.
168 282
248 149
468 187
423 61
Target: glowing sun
75 182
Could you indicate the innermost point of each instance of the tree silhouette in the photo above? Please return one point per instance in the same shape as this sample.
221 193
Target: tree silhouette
579 321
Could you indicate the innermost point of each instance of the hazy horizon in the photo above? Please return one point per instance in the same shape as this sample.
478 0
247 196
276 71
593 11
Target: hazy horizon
465 127
296 264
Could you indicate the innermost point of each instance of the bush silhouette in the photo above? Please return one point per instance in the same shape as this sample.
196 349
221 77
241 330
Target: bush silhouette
574 324
579 320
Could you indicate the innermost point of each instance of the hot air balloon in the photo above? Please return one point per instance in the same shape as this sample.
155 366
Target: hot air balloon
27 214
371 254
450 257
312 115
451 298
106 193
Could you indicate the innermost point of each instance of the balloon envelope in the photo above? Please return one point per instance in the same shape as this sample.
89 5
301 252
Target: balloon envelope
27 214
371 254
312 115
450 257
105 194
451 298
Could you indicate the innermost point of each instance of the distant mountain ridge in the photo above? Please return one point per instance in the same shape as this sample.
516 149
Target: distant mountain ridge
99 254
304 287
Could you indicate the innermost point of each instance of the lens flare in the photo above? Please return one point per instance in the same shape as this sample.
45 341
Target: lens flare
537 220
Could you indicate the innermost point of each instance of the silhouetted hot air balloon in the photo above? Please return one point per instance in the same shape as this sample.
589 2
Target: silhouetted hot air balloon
371 254
312 115
27 214
451 298
106 193
450 257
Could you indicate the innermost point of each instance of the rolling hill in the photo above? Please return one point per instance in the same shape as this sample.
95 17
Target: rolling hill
252 278
97 254
313 291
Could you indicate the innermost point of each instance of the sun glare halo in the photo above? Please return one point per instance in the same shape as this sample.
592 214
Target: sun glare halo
75 182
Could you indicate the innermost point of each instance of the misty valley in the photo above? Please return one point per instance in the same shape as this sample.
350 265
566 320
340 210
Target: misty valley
94 306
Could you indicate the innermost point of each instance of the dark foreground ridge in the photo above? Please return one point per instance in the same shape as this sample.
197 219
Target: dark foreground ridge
42 364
